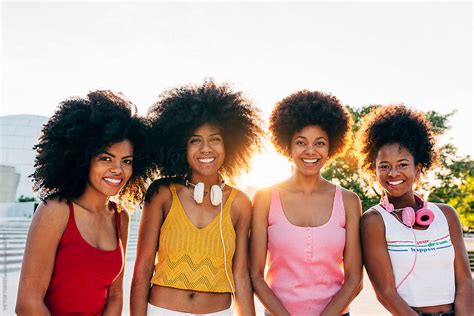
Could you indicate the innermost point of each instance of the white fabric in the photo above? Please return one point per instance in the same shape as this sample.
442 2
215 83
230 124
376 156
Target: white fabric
153 310
432 279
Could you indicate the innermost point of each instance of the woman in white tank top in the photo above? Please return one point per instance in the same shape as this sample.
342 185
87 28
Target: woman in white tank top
413 251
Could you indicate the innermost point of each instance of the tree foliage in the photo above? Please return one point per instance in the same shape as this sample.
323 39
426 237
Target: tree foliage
451 182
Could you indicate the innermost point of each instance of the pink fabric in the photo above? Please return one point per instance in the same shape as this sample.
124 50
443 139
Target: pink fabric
304 264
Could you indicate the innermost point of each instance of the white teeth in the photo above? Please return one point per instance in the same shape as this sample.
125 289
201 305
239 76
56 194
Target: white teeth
206 160
395 182
310 160
115 181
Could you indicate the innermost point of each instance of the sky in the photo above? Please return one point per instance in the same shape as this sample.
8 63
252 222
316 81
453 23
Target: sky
418 53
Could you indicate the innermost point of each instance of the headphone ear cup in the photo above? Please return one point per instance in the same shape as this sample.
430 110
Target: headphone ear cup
199 192
216 195
408 216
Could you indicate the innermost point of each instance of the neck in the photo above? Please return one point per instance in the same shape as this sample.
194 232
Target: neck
208 181
405 200
307 184
92 201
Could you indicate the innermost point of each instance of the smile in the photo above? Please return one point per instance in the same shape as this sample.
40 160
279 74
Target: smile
206 160
113 181
310 160
396 182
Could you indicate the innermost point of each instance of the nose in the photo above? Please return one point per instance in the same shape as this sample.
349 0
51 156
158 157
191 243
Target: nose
393 172
116 168
310 149
205 147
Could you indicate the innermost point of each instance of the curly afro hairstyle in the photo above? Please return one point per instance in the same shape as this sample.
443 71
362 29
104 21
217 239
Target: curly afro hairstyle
180 111
396 124
78 131
304 108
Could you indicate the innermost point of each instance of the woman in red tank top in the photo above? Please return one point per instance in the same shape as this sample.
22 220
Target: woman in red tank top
90 149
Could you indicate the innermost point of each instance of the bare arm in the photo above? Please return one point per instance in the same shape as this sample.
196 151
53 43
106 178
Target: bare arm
352 258
258 253
243 286
464 300
46 229
114 304
378 265
147 245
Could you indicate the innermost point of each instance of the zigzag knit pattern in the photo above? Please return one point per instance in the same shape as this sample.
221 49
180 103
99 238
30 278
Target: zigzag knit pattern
192 258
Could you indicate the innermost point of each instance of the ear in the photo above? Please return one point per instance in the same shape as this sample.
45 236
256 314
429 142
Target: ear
418 171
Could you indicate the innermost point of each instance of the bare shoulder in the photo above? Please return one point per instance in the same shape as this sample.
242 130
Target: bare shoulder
351 203
158 191
450 214
54 210
350 196
263 195
447 210
371 218
242 199
124 216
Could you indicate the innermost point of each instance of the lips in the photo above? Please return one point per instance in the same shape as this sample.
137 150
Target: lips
395 183
113 181
206 160
310 161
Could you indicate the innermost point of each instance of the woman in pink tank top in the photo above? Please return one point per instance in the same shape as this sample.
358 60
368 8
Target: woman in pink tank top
90 149
305 250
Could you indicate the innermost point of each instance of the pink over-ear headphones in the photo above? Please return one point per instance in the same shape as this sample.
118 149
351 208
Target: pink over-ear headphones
423 217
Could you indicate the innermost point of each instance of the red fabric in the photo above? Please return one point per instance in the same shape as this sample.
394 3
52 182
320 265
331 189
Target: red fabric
82 273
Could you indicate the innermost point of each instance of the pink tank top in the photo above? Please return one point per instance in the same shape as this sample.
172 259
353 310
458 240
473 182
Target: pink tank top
304 264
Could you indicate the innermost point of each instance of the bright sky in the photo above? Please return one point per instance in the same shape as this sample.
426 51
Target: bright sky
364 53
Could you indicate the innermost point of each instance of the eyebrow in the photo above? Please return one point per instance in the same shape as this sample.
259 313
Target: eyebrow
112 155
399 160
213 134
301 136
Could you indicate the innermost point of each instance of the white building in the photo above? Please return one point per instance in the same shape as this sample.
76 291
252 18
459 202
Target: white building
18 135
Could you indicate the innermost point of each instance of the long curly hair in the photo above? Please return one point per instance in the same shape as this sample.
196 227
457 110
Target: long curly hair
78 131
180 111
396 124
304 108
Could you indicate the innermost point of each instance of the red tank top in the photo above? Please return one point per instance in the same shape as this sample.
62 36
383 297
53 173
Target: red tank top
82 273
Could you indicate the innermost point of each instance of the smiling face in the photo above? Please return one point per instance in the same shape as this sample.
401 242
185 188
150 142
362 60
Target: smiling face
110 169
205 151
310 149
396 170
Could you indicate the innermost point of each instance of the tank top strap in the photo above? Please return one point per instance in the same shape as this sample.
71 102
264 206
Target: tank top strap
338 210
118 219
230 199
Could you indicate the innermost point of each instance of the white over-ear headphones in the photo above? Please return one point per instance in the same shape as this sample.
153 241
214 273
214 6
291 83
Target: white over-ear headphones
216 192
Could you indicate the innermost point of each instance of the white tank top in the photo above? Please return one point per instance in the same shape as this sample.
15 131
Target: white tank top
432 280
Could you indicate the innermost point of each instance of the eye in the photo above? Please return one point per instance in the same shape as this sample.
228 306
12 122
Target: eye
383 167
404 165
300 142
105 158
320 143
215 140
128 161
194 140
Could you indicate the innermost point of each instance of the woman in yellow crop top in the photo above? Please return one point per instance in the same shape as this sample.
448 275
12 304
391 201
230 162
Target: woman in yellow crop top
193 236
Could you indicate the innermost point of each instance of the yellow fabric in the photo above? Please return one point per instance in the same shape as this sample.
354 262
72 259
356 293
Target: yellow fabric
192 258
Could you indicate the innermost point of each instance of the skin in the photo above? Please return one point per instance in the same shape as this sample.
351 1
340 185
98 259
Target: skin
205 143
394 164
95 222
299 194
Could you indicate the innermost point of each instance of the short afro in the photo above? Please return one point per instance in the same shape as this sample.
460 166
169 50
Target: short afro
396 124
304 108
180 111
78 131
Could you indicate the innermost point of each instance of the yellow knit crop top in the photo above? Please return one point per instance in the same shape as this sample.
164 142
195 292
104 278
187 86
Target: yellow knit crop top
192 258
